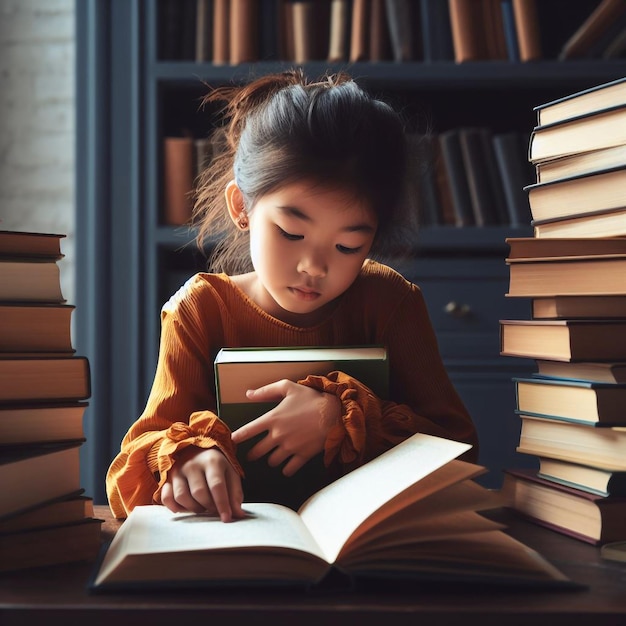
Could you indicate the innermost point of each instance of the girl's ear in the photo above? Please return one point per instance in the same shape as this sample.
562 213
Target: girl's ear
234 202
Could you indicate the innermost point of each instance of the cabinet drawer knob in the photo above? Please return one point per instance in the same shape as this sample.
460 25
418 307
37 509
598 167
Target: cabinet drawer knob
457 310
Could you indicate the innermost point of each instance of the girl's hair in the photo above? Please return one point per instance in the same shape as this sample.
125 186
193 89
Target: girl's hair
281 129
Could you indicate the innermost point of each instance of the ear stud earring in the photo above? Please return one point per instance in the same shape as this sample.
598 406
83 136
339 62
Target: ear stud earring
242 222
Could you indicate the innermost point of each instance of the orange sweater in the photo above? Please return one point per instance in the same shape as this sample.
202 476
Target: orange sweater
210 312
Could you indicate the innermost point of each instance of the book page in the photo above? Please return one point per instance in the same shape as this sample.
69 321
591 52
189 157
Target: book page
335 512
154 529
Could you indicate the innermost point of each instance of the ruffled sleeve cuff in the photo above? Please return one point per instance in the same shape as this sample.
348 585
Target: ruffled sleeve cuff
205 430
346 441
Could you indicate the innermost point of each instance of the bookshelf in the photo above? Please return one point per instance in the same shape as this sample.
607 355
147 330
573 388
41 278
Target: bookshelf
129 98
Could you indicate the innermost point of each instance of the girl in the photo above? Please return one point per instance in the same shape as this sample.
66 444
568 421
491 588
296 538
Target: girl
309 185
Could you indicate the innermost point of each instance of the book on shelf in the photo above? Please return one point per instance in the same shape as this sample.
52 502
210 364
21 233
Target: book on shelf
573 512
380 37
436 31
35 327
41 422
271 30
44 378
340 27
585 194
581 164
402 18
493 30
600 275
564 340
510 158
510 32
527 26
64 510
72 542
204 31
445 201
468 34
178 179
571 400
596 371
35 279
605 128
603 447
592 479
606 13
221 32
610 224
422 190
485 199
237 370
303 20
15 243
452 158
243 38
604 45
417 493
33 475
359 31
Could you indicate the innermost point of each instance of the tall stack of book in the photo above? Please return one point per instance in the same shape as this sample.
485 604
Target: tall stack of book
573 409
45 518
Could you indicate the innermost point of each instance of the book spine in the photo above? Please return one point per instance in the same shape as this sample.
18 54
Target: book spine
204 30
303 20
243 36
399 19
436 32
459 188
178 179
221 32
527 27
339 31
359 32
380 42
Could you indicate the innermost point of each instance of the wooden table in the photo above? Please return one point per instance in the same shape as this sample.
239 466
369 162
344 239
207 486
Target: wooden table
58 595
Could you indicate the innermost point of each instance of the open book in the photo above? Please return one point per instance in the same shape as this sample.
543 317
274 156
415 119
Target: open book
411 512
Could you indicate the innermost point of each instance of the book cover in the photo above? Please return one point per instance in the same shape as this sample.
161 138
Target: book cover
591 131
41 423
37 379
601 372
591 479
30 244
579 514
418 481
600 447
237 370
37 279
34 327
571 400
584 194
533 249
584 102
564 340
579 164
33 475
608 224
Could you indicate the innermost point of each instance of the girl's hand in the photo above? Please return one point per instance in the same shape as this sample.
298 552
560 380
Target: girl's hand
296 428
203 481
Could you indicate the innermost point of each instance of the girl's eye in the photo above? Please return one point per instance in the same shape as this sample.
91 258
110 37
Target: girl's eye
346 250
289 236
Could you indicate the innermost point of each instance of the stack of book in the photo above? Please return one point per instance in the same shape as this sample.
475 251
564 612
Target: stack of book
572 410
45 518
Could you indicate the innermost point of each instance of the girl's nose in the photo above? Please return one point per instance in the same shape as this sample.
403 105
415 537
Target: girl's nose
313 264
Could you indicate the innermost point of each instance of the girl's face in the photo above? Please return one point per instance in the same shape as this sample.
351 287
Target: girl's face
307 243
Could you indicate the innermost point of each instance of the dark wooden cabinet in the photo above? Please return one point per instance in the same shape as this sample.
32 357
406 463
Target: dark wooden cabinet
129 98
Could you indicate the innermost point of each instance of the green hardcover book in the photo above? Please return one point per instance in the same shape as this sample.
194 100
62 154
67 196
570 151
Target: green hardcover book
240 369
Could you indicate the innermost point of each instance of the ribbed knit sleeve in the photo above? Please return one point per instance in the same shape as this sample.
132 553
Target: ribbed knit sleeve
180 410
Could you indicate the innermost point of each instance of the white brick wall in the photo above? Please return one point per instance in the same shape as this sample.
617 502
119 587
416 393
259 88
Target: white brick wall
37 122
